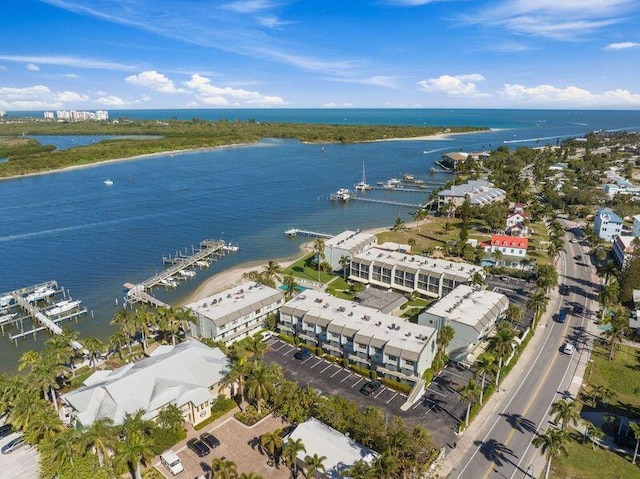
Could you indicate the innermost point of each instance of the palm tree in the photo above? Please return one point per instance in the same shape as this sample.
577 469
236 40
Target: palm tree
419 215
600 393
344 263
65 448
514 314
94 347
25 410
143 319
290 454
314 463
254 348
171 417
596 434
44 371
608 296
553 251
398 224
502 345
136 423
102 438
289 282
249 475
615 335
360 470
635 429
384 467
551 444
124 319
236 373
117 341
564 412
496 254
260 384
272 269
272 443
445 336
59 350
538 303
478 279
318 249
608 270
469 392
485 365
546 277
223 468
134 450
44 425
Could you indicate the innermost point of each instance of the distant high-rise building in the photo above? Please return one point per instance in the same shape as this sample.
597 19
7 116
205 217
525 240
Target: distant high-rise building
74 115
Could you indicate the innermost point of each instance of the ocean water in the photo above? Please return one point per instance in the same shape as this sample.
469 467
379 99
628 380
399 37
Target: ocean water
93 238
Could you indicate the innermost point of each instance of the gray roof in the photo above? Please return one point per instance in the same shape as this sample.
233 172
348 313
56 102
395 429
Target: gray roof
172 375
612 217
341 452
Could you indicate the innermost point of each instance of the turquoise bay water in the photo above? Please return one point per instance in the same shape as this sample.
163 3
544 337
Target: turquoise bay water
92 238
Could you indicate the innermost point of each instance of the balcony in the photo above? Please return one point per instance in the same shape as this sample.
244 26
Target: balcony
397 374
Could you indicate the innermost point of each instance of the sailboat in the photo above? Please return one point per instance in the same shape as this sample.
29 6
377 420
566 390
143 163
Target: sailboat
362 185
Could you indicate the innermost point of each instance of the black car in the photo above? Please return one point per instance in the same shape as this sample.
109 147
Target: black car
5 430
578 309
370 388
210 440
197 446
303 353
564 289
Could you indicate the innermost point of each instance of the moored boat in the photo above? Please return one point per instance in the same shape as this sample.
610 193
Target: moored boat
63 307
40 293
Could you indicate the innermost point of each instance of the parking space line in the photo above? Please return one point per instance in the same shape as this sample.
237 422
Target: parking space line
326 368
319 362
436 392
392 398
336 373
346 377
356 383
383 390
276 350
288 351
308 359
454 374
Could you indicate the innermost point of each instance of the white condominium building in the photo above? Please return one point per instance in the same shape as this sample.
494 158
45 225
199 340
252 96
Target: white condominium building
347 244
408 273
235 313
393 347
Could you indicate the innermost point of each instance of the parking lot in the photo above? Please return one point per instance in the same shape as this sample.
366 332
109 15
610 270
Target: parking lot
439 410
22 463
518 291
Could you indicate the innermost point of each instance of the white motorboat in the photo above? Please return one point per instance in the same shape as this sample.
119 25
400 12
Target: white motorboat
6 300
63 307
108 182
232 248
392 184
187 273
362 185
40 293
203 263
7 317
168 282
342 195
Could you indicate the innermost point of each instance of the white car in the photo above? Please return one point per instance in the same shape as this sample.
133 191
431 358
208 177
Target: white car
172 462
568 348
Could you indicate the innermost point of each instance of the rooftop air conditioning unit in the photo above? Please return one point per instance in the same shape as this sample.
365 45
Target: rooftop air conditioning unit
393 326
228 295
350 313
378 323
407 334
326 305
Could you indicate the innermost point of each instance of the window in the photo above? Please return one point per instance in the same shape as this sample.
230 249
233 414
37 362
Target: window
409 363
392 358
410 280
386 275
377 273
422 281
399 278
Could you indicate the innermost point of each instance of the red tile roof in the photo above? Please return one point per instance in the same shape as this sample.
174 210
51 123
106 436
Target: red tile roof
509 241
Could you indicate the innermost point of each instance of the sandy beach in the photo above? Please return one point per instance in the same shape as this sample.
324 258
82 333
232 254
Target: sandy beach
233 276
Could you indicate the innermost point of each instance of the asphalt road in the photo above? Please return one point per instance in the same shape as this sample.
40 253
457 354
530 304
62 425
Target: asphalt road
502 448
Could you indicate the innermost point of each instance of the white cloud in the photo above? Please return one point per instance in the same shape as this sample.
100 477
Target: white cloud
2 68
32 67
71 75
271 21
68 61
569 96
622 45
454 85
222 96
153 80
38 97
70 96
110 100
248 6
410 3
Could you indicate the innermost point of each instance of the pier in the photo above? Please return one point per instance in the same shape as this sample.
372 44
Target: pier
388 203
402 189
293 232
35 314
137 293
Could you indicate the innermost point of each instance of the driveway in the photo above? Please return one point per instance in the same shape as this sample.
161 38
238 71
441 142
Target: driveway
439 411
22 463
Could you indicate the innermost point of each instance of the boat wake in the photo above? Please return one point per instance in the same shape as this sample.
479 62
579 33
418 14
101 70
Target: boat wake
426 152
527 140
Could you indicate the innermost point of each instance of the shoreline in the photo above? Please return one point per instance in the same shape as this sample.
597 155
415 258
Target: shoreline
435 137
233 277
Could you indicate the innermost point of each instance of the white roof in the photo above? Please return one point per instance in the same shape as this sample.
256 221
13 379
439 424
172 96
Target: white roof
349 240
367 322
422 263
470 306
180 375
341 451
234 303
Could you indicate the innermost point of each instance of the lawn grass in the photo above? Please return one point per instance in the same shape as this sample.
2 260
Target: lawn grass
340 289
585 463
305 269
622 375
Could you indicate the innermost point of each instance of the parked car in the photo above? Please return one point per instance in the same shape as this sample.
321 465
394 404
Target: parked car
13 445
370 388
303 353
171 461
197 446
578 309
267 335
210 440
5 430
564 289
578 257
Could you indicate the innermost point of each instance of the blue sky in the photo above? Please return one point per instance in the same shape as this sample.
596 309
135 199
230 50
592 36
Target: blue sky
121 54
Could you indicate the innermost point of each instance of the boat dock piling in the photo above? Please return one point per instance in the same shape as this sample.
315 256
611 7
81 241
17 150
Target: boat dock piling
138 293
293 232
35 314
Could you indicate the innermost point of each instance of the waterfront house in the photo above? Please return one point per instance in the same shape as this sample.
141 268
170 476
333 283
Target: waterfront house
507 245
623 249
607 224
340 451
187 375
515 223
393 347
347 244
479 192
235 313
471 312
407 273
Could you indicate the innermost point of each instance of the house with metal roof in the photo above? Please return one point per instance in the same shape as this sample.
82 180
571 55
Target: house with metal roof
479 192
393 347
347 244
341 452
471 312
186 375
607 224
407 273
235 313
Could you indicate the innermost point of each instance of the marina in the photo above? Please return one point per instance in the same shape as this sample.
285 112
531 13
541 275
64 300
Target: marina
36 305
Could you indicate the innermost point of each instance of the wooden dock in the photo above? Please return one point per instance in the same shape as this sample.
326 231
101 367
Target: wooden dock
402 189
293 232
387 202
